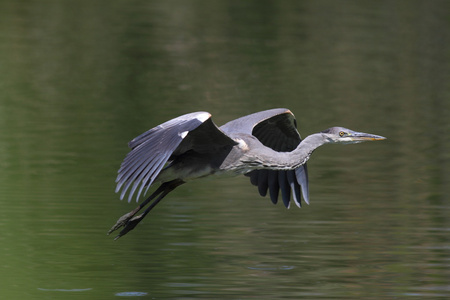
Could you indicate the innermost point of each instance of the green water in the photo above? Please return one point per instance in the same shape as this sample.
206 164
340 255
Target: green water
79 79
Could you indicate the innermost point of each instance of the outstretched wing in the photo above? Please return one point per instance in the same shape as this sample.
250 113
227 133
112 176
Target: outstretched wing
276 129
154 148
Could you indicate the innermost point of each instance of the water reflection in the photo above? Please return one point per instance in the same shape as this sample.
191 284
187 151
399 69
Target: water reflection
131 294
268 267
80 79
64 290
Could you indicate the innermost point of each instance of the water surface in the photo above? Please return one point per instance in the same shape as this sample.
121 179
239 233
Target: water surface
80 79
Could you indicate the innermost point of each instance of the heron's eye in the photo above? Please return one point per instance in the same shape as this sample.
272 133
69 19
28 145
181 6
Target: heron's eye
341 133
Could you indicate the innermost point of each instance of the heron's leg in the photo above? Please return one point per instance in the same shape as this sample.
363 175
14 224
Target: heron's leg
126 217
129 221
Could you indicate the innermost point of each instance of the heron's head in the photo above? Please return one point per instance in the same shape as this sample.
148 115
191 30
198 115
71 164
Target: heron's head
343 135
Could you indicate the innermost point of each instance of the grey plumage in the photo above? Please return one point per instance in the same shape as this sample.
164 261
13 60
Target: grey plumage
264 146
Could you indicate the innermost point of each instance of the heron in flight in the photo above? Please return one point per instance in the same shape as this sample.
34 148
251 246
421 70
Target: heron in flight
264 146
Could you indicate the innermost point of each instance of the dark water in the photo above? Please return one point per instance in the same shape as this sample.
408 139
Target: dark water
79 79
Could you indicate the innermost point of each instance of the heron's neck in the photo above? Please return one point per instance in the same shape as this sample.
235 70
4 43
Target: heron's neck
306 147
294 159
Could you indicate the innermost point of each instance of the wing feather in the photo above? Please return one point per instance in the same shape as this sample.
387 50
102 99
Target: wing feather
276 129
295 187
151 150
148 174
137 172
274 187
152 174
263 184
302 178
285 188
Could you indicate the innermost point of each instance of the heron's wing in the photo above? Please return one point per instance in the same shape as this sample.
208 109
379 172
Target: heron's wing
151 150
276 129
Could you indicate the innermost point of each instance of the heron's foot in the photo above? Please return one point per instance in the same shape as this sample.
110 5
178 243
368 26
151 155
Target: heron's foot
130 225
123 220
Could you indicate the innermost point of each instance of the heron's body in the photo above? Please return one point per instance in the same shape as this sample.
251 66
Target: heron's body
265 146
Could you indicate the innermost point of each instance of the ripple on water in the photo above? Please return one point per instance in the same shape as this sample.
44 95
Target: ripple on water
65 290
131 294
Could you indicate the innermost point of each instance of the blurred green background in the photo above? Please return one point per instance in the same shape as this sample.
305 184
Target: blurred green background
79 79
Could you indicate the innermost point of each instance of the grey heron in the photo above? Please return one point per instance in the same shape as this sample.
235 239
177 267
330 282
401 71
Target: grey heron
264 146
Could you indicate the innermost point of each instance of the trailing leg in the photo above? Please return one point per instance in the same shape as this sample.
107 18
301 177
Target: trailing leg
129 221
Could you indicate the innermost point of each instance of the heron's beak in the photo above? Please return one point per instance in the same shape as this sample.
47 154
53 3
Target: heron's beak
361 137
